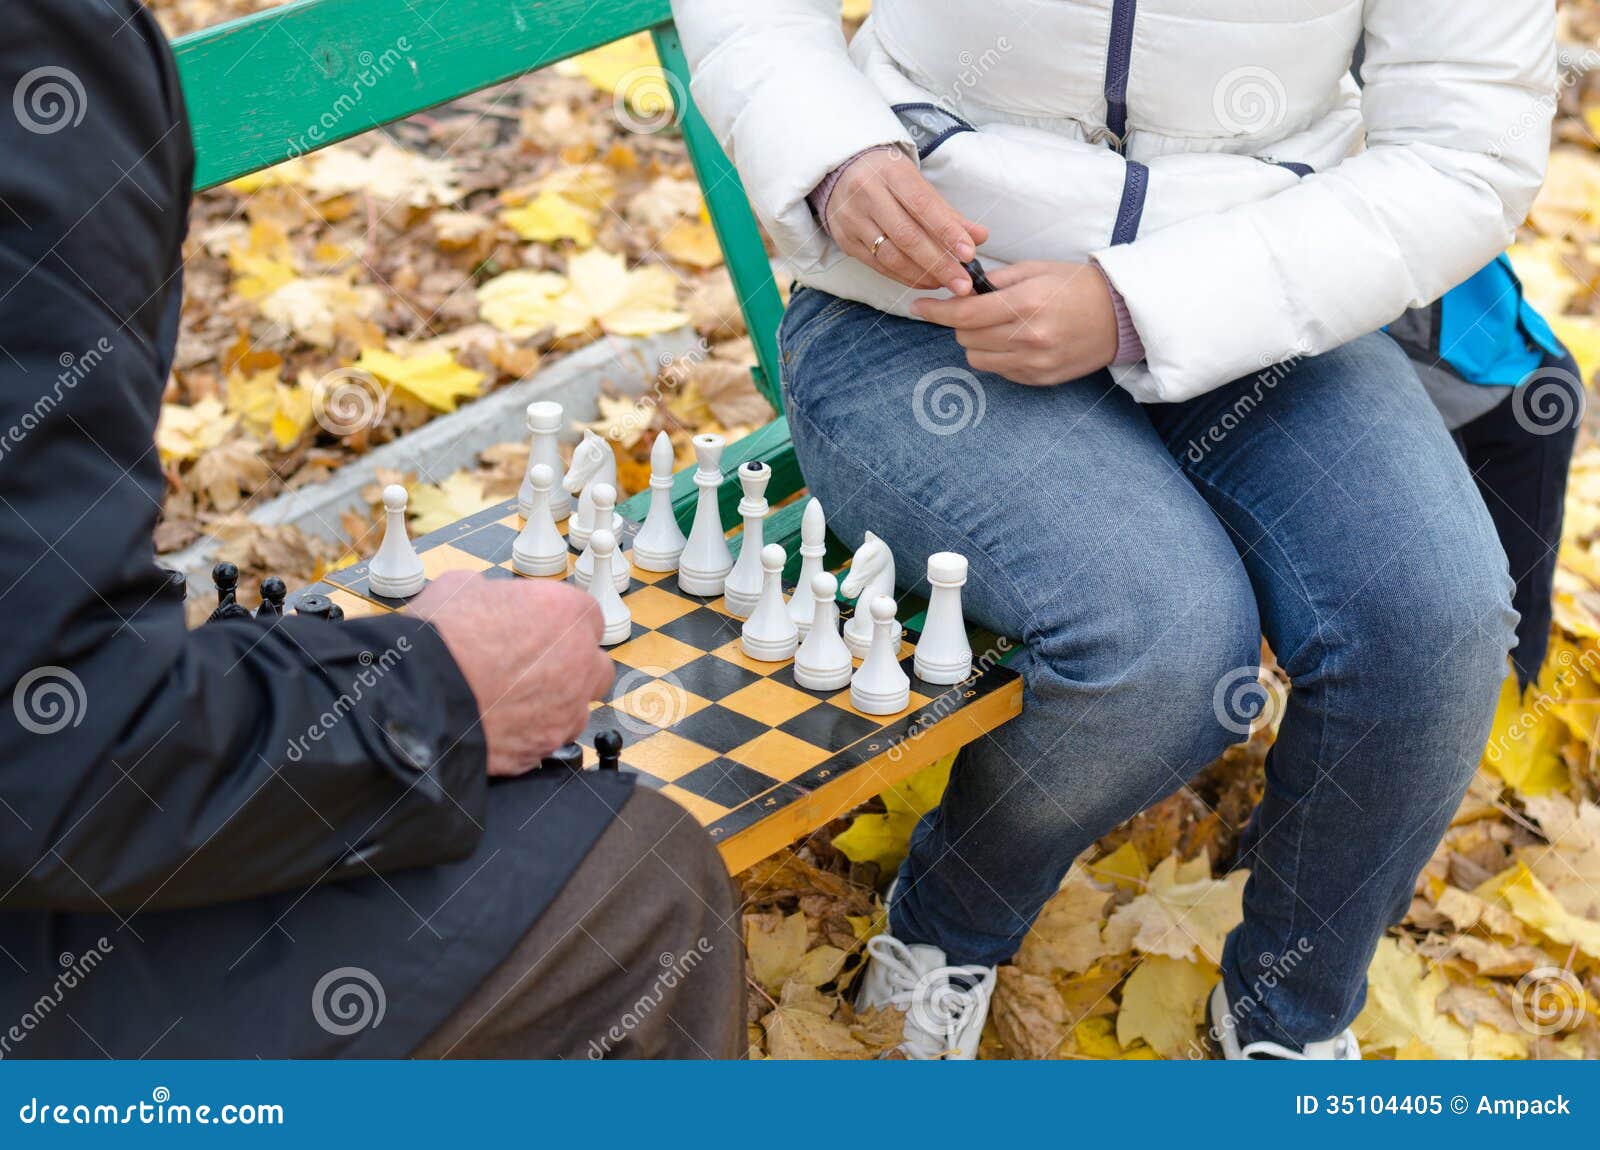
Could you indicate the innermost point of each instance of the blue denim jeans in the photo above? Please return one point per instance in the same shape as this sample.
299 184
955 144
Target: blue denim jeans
1139 553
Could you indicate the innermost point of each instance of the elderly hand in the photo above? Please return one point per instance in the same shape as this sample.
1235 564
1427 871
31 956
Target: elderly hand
1045 323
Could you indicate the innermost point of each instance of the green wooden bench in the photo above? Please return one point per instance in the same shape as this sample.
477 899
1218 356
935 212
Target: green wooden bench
268 87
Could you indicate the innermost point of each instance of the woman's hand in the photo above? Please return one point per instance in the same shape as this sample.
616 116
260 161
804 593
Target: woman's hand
926 241
1044 323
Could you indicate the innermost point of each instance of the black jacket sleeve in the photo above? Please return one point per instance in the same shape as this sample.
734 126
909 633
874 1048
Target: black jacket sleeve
143 765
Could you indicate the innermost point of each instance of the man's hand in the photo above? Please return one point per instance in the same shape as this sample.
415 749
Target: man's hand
883 194
1044 323
530 651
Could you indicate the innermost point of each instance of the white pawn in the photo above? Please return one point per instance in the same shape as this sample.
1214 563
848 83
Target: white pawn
769 634
880 687
605 499
823 661
813 531
544 422
539 548
742 588
593 462
618 619
944 655
660 540
396 570
706 560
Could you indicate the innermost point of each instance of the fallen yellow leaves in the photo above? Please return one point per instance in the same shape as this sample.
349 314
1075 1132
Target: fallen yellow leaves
598 293
434 377
182 433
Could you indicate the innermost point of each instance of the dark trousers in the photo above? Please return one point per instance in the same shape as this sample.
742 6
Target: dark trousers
1520 461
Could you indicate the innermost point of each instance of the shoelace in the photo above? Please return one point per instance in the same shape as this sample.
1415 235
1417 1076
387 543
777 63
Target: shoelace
936 1009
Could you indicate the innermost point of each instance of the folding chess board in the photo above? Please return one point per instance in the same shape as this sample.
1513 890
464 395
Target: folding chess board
757 759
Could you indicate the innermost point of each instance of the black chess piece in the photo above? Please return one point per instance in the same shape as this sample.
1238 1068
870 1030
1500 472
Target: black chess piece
226 577
175 584
569 757
273 592
608 745
319 607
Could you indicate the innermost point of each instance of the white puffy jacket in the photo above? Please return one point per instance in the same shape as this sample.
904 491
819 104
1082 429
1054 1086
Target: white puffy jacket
1213 156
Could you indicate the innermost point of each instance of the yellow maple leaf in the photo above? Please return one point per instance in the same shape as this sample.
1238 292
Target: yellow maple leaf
263 263
610 64
1532 902
549 217
598 291
253 398
1184 914
775 949
1163 1002
642 301
884 839
434 377
1524 746
313 307
435 505
386 173
692 242
183 432
1402 1010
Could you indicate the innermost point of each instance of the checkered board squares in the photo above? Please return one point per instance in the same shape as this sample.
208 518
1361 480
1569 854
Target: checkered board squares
752 755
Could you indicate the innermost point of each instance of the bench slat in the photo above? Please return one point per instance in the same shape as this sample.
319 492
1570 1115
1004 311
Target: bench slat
289 80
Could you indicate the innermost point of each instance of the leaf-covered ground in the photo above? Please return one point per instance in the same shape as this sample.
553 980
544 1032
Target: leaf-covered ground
346 298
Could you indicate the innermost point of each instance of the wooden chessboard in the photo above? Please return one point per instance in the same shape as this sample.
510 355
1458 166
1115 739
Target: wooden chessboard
758 760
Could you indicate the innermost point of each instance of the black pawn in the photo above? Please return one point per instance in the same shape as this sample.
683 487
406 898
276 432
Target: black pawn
569 757
175 584
273 592
608 745
319 607
226 577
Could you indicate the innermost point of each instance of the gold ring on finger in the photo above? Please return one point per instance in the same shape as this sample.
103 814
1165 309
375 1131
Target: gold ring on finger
878 243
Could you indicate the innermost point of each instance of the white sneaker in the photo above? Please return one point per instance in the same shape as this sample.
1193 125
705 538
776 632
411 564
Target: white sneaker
1340 1048
944 1018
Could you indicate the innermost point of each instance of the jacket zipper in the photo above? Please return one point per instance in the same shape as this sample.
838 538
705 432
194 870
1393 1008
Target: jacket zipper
1119 52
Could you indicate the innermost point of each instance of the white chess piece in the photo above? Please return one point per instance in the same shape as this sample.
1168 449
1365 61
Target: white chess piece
660 540
823 661
742 588
871 574
618 619
813 532
592 462
880 687
943 654
769 634
544 424
605 499
539 548
396 570
706 560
